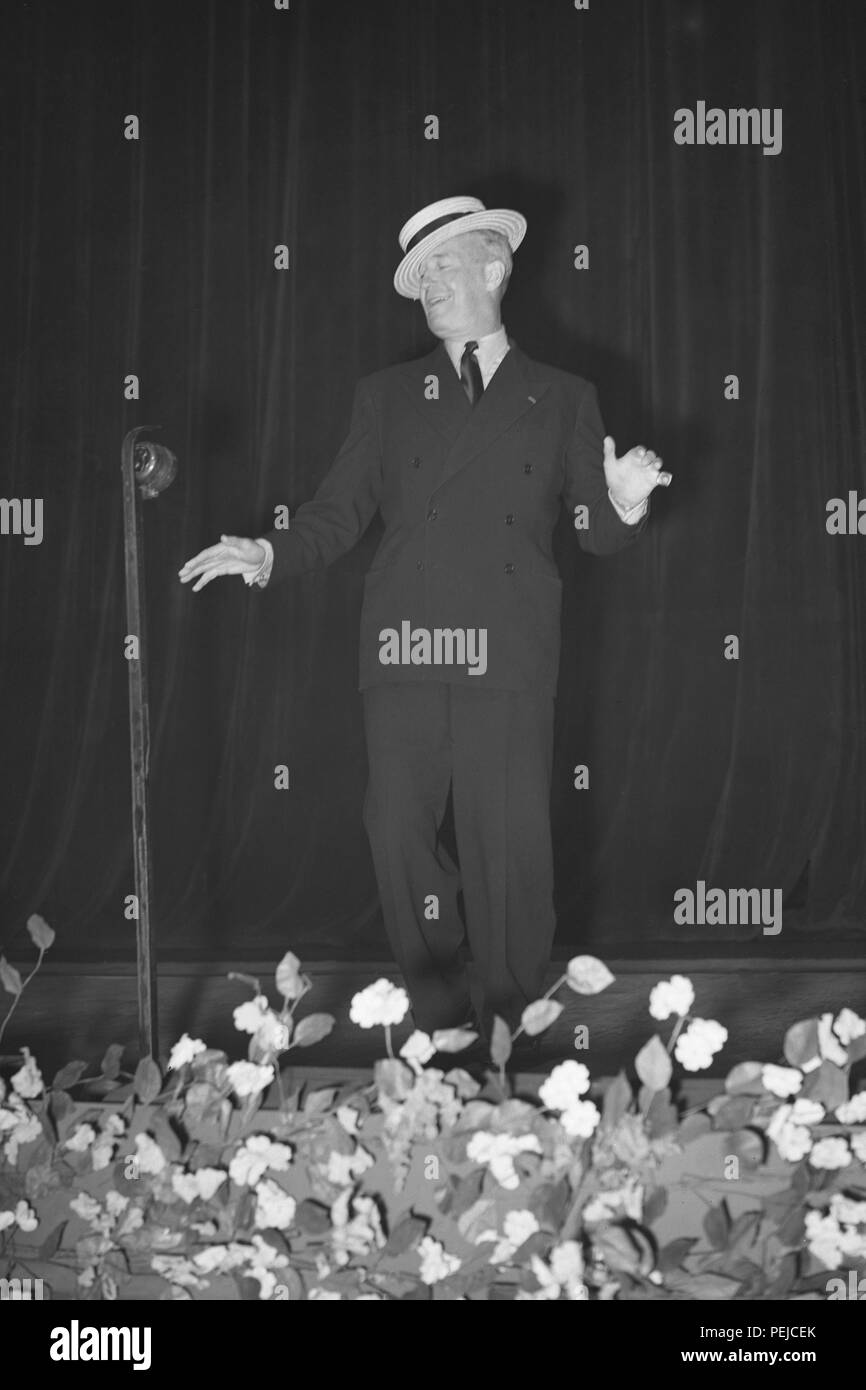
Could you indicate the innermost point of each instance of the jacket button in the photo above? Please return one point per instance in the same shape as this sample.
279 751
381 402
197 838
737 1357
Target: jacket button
416 463
509 520
528 467
432 514
509 568
419 564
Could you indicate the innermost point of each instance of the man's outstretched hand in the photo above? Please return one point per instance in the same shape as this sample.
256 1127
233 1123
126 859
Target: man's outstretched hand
633 477
233 555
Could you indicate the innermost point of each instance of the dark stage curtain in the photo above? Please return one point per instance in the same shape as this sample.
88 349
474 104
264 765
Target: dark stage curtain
154 257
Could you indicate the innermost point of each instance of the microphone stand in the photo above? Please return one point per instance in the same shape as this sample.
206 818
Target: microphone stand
150 469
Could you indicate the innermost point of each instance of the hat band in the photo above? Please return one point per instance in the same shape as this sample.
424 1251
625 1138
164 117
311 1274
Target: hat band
431 227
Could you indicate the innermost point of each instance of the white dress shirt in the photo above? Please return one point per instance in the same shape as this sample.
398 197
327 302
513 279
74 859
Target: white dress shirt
492 348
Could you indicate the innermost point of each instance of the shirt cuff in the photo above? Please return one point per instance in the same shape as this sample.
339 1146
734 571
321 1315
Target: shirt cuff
630 515
263 573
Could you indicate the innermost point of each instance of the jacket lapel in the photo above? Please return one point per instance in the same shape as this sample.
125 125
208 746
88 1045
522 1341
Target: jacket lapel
450 410
511 393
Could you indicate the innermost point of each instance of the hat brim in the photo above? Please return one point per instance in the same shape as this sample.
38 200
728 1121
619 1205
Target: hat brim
511 224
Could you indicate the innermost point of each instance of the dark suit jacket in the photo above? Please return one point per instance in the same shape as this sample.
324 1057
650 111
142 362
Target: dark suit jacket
469 496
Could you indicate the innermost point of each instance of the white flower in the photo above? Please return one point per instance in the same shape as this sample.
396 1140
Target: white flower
248 1017
823 1237
102 1155
28 1081
221 1259
614 1203
828 1044
696 1047
115 1203
26 1217
848 1026
178 1271
379 1004
830 1153
265 1261
498 1152
792 1141
781 1081
564 1086
858 1144
549 1285
673 996
86 1207
518 1226
347 1116
357 1226
580 1119
324 1295
436 1263
418 1049
853 1111
342 1169
566 1262
274 1206
256 1155
184 1050
151 1158
272 1034
248 1079
806 1112
7 1219
847 1211
27 1128
81 1139
203 1183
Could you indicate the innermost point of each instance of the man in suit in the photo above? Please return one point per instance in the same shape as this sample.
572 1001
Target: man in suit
468 453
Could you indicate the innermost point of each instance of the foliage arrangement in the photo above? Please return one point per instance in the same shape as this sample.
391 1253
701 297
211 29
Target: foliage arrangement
213 1179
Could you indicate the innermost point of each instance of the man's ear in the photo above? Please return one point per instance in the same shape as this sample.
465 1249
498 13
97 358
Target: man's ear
494 274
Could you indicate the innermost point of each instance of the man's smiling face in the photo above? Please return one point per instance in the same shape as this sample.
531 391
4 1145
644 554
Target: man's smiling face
454 292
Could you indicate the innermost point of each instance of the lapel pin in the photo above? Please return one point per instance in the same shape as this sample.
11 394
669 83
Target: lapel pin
531 398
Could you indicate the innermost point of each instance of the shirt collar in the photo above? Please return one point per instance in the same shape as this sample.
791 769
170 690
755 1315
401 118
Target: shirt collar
491 348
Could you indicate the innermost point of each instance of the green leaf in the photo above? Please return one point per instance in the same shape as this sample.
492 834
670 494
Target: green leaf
588 975
671 1256
749 1146
784 1280
68 1075
745 1079
653 1065
617 1099
9 977
801 1042
655 1205
405 1234
694 1126
40 933
540 1015
827 1084
317 1102
249 1289
712 1287
661 1115
453 1039
744 1227
792 1231
110 1064
147 1081
312 1029
500 1045
466 1193
717 1225
312 1217
51 1244
734 1113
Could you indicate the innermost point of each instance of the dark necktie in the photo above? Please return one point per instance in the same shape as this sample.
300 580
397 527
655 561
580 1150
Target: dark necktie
470 373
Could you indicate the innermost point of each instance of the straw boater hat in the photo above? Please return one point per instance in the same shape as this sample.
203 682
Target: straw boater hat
443 220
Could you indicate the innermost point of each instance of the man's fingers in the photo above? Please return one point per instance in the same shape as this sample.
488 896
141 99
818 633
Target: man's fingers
609 447
204 557
214 571
664 479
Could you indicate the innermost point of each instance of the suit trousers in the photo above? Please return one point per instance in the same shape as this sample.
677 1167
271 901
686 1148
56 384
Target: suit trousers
493 749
